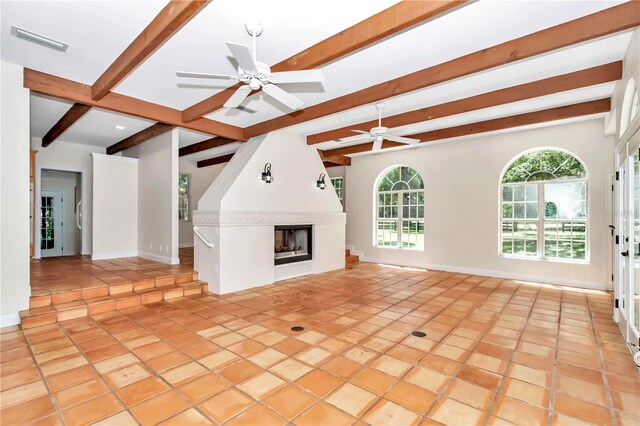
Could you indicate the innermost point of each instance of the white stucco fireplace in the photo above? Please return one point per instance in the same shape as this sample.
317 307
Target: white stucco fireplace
240 216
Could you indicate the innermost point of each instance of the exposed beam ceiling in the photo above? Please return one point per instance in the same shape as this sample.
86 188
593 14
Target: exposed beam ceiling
138 138
609 21
562 83
215 160
57 87
552 114
204 145
388 22
332 161
170 19
76 111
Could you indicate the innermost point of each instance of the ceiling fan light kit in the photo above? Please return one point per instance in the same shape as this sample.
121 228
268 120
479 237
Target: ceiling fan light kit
255 75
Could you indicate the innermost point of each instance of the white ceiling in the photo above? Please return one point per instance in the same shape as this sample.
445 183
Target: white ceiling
98 31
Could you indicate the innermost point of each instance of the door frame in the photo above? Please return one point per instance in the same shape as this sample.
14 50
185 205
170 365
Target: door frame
623 314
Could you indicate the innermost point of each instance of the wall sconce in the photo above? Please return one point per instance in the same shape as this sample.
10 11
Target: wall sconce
266 174
321 183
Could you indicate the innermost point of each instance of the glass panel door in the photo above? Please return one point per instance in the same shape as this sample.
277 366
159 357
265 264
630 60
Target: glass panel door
621 249
634 284
51 223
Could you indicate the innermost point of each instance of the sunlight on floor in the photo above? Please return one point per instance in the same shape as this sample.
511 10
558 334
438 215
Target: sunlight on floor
564 288
402 268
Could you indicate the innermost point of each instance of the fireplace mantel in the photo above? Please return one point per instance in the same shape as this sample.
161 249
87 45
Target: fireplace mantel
246 218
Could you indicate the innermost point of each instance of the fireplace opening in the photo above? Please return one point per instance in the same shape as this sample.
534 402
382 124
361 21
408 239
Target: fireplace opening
292 243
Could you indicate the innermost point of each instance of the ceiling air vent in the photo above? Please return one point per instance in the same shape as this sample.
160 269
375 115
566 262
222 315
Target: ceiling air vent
38 39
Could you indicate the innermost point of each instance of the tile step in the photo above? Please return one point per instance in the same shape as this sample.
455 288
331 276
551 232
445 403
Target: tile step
50 314
41 297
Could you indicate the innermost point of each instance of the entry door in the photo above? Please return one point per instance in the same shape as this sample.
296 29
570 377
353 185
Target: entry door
633 289
622 250
51 223
627 311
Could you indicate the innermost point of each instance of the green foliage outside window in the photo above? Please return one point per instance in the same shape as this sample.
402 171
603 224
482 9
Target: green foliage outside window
543 165
183 196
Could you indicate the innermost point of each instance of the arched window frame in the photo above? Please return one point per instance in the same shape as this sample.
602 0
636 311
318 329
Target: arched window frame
630 107
539 229
399 211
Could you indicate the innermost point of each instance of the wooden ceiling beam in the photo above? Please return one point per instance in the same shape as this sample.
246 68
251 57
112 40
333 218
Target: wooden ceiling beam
76 111
383 24
215 160
562 83
611 20
57 87
138 138
552 114
337 160
170 19
204 145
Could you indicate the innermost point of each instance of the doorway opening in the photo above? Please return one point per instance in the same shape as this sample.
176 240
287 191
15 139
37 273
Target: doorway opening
60 221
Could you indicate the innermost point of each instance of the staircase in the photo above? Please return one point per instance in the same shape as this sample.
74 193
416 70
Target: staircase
350 259
79 302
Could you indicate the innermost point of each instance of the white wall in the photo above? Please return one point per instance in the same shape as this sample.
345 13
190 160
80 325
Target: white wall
71 157
462 203
201 179
14 195
115 207
70 185
158 197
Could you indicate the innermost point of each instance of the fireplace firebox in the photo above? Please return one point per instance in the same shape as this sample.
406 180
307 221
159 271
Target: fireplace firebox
292 243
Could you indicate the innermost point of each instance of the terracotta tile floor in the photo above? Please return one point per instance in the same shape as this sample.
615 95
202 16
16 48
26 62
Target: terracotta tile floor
496 352
51 275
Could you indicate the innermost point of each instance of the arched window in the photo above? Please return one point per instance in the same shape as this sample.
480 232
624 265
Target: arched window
630 106
635 106
544 206
400 209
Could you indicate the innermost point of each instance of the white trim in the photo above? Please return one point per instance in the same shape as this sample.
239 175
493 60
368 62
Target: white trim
592 285
185 245
97 156
116 255
9 320
247 218
158 258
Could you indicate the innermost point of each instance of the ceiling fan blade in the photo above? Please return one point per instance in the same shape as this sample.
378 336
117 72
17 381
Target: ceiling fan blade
360 131
402 139
377 144
188 74
281 96
306 76
238 96
356 139
243 56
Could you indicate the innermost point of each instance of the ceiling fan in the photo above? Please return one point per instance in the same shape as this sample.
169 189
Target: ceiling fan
379 134
257 75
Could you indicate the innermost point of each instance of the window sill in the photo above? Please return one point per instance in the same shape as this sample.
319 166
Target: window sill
544 259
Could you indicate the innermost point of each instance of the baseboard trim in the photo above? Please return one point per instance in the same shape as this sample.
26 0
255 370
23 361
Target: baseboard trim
590 285
9 320
185 245
158 258
117 255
